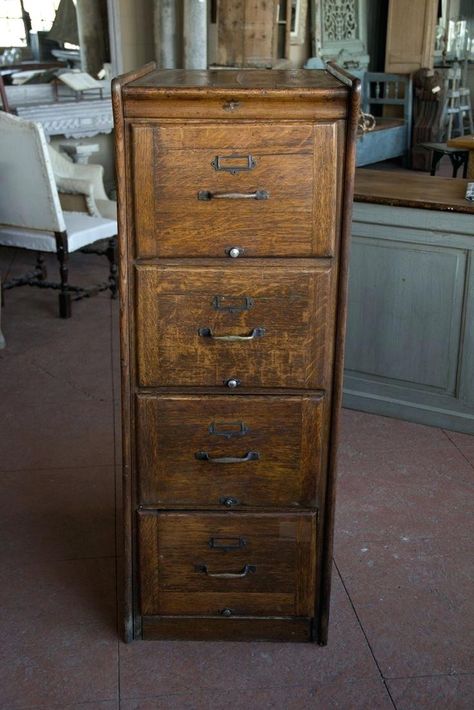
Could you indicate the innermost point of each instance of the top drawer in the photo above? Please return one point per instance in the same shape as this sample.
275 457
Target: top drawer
202 189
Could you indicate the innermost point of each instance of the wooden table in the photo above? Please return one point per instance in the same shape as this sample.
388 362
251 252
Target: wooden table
406 188
410 345
465 143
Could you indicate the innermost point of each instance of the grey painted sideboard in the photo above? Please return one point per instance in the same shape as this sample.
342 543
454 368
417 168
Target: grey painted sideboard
410 331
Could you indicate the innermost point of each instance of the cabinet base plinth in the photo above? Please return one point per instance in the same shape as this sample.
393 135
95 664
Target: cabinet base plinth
215 629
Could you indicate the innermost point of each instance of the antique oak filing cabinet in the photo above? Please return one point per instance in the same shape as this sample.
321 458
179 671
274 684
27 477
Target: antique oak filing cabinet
235 191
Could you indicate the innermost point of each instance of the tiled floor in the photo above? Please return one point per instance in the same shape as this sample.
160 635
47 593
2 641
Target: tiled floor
402 627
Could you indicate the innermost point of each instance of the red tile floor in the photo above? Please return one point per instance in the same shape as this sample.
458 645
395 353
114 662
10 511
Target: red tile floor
402 627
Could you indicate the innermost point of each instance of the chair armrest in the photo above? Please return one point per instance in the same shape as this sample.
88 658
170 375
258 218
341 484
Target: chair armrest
78 186
94 174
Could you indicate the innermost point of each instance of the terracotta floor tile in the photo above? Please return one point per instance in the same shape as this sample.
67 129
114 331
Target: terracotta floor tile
454 692
99 705
420 496
74 434
353 694
55 595
57 514
363 432
151 668
465 443
58 643
417 609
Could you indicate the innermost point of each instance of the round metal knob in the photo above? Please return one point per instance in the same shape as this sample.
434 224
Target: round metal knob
226 612
229 502
234 252
232 383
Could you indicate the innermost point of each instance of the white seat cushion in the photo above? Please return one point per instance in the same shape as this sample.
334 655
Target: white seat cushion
81 230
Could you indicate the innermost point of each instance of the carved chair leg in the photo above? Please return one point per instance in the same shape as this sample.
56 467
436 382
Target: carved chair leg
111 253
64 295
40 267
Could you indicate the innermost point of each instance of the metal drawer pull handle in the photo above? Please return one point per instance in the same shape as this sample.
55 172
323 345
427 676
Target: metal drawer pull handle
218 165
235 306
206 195
249 456
256 333
226 543
248 569
228 429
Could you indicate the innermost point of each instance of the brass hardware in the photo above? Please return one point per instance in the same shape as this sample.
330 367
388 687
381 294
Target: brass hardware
207 195
229 502
231 105
218 165
232 383
248 569
226 612
226 431
249 456
234 252
226 543
245 305
256 333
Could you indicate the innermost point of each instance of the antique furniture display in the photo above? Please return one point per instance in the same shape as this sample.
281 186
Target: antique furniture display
465 143
458 158
31 216
410 346
391 137
410 43
81 186
234 215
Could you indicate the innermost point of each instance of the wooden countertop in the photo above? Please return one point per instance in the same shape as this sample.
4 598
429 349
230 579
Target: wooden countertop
406 188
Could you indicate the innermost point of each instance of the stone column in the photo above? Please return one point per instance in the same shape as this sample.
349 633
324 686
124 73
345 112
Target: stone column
166 33
92 33
195 34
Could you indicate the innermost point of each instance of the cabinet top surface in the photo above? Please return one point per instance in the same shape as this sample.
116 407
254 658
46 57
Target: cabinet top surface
255 80
410 189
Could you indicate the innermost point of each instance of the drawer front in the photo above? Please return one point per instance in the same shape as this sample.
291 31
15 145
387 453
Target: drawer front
229 451
267 326
207 563
193 186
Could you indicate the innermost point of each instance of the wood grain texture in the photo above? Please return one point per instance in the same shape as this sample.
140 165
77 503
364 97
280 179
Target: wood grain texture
291 303
323 605
280 547
123 249
286 432
219 629
419 190
246 33
236 105
295 165
171 126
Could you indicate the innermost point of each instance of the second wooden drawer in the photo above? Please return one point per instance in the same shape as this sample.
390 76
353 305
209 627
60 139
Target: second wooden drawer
265 324
230 451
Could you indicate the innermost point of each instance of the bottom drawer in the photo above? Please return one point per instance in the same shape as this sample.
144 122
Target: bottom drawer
229 564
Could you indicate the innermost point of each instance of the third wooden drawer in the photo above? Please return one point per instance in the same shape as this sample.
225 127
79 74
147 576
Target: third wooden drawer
230 451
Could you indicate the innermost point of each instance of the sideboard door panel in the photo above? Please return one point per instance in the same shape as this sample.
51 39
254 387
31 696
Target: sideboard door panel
405 313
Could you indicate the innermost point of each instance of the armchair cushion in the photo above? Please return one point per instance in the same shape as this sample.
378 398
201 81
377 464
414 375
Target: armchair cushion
81 231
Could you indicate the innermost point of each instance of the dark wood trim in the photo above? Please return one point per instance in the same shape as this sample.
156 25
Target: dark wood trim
120 168
208 628
347 193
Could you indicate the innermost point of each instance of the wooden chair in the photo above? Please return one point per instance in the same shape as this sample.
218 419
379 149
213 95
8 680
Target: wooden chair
31 216
391 137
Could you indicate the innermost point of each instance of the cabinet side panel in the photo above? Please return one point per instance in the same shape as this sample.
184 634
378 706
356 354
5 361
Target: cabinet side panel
344 244
125 545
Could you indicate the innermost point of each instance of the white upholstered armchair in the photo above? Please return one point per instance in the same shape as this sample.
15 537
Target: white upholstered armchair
31 216
81 187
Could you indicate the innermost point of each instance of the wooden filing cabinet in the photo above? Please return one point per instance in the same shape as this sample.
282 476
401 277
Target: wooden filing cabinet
235 191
